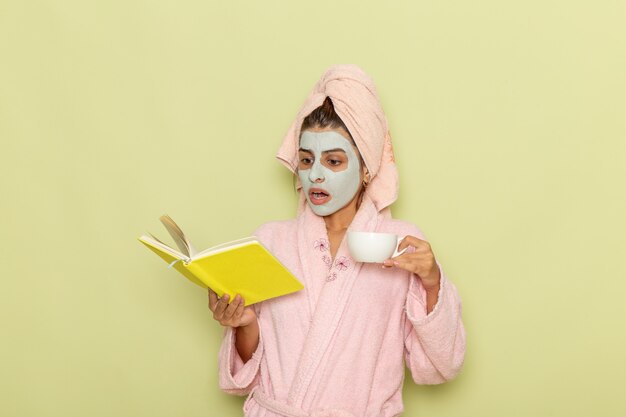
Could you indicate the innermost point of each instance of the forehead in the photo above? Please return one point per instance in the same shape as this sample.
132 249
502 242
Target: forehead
325 140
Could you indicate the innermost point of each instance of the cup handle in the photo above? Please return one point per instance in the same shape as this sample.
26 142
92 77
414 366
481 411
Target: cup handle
396 253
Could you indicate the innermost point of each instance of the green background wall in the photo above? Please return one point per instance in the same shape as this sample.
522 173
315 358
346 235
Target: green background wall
509 124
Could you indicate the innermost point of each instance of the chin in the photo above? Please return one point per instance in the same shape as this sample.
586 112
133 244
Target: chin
321 210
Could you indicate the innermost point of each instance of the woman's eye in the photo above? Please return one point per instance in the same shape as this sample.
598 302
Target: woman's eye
334 162
305 160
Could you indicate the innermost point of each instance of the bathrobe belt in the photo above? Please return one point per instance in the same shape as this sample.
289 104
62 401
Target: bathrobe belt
291 411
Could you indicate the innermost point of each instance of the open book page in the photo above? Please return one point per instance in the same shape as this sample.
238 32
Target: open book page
157 244
179 237
225 246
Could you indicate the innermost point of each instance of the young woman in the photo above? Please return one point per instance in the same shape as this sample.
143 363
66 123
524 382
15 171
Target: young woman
339 347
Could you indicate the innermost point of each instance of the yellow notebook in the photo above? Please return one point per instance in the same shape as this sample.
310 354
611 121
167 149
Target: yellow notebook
243 266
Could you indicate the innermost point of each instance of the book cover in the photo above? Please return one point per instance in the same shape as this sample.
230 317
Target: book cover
242 267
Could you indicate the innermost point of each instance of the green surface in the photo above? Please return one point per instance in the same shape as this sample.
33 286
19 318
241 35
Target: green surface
509 127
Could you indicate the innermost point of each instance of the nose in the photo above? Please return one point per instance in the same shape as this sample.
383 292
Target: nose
316 174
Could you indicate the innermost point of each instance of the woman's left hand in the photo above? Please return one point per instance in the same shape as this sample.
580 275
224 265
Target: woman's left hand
421 262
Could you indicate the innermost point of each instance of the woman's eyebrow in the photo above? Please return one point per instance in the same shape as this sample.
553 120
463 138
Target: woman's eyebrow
328 151
334 150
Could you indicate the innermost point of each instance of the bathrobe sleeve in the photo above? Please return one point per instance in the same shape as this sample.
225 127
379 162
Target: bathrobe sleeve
235 376
434 343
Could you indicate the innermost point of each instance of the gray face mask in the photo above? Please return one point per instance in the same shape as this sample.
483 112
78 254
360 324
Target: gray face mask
326 190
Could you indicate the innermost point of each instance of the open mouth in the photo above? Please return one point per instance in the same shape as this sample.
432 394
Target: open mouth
318 196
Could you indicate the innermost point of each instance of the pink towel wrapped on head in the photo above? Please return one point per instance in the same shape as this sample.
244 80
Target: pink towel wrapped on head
356 102
340 346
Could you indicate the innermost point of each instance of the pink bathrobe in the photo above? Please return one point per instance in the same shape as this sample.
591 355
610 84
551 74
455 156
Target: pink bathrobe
339 346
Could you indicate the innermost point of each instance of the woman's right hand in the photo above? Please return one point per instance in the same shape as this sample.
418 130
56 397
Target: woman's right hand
233 314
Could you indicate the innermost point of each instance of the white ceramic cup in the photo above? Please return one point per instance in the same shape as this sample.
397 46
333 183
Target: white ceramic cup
372 246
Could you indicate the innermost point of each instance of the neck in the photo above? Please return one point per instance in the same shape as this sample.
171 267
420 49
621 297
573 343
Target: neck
338 222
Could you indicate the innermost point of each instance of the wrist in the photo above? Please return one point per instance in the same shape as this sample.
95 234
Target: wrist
248 328
432 289
432 283
247 340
